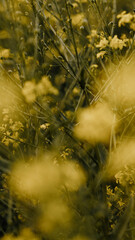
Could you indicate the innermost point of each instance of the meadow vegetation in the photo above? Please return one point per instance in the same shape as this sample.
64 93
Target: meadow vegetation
67 115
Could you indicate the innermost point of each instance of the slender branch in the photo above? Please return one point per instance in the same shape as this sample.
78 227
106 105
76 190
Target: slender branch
104 23
114 16
73 37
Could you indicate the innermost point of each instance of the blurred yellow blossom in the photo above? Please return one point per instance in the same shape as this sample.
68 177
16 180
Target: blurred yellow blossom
5 111
44 126
123 155
124 18
95 123
44 181
76 91
29 91
93 34
25 234
80 237
73 176
16 126
4 34
116 43
42 178
94 66
101 54
45 87
55 213
83 1
4 53
102 44
122 87
77 19
75 5
132 26
35 179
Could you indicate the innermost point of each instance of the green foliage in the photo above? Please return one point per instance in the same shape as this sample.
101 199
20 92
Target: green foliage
67 119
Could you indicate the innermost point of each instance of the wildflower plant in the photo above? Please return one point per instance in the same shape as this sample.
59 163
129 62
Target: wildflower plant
67 119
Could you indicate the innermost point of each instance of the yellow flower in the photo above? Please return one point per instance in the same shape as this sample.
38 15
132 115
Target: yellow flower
4 53
44 126
101 54
132 25
95 123
77 19
117 43
124 18
28 91
121 203
102 44
45 87
92 35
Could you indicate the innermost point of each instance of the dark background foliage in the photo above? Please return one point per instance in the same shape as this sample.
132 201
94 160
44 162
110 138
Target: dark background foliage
51 38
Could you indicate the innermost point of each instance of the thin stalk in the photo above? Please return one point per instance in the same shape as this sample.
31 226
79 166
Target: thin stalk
104 23
78 104
54 15
44 19
57 8
22 72
72 32
36 42
45 22
114 17
125 129
64 67
10 206
113 136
